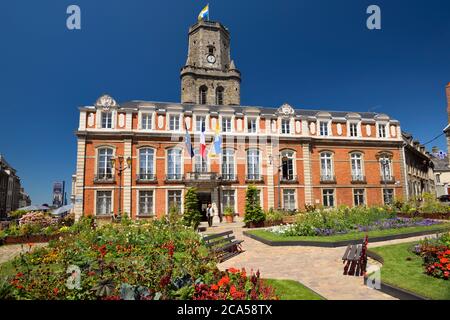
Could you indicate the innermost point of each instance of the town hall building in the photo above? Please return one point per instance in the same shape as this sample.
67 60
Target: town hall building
132 157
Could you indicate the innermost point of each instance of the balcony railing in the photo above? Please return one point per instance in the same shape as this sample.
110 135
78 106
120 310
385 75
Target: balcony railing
327 178
387 180
358 178
202 176
228 177
253 178
146 177
289 179
174 177
104 178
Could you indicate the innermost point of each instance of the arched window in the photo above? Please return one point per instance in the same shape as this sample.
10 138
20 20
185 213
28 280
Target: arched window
219 96
253 161
174 164
326 166
228 165
104 164
357 167
201 164
203 94
287 161
146 160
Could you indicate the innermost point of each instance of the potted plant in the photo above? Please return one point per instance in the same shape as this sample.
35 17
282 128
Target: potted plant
229 214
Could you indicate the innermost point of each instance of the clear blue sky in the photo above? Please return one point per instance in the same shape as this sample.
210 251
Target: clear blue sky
316 54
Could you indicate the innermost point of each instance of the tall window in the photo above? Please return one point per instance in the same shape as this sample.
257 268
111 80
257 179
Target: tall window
323 128
146 160
289 199
358 197
253 161
146 203
200 123
353 129
328 197
174 164
106 120
388 196
146 121
202 95
382 130
228 164
287 161
386 168
226 124
219 96
228 199
326 166
251 125
174 199
285 126
174 122
357 169
104 168
104 203
201 165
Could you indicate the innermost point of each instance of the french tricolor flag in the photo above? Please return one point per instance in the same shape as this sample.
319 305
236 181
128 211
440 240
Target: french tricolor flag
203 143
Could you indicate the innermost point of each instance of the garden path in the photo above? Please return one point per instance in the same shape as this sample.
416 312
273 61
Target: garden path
320 269
7 252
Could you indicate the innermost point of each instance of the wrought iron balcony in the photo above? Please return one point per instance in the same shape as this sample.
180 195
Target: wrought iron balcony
327 178
174 177
202 176
254 178
104 178
387 180
289 178
229 177
145 177
358 178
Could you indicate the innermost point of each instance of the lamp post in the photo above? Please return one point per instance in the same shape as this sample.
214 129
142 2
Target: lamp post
120 168
279 166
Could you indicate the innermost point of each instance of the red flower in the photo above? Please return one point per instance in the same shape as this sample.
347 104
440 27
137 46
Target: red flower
233 290
444 260
19 275
233 270
55 291
224 281
214 287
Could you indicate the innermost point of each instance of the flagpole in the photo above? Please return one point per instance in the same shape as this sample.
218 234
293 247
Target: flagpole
208 11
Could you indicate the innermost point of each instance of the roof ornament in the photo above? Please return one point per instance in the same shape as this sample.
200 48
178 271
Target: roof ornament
286 110
106 102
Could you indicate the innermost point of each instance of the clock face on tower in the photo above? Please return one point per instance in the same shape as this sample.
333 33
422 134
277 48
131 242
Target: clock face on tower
211 59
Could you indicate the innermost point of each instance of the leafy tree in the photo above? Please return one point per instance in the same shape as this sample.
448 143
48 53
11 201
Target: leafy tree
253 211
192 215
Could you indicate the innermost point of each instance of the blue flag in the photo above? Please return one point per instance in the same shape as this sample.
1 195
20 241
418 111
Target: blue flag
187 140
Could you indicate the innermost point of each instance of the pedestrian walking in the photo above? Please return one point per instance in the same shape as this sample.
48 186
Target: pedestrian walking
209 215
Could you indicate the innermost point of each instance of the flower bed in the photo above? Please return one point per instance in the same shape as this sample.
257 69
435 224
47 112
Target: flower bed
436 256
131 260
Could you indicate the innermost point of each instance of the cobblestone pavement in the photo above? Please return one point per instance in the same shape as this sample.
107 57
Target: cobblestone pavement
7 252
320 269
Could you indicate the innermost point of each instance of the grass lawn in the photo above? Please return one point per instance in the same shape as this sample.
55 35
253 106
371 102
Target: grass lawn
404 269
349 236
292 290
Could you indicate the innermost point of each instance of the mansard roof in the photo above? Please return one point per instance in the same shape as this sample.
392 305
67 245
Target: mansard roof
263 111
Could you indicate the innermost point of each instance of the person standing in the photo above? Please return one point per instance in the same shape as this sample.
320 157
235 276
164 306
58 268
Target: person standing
209 215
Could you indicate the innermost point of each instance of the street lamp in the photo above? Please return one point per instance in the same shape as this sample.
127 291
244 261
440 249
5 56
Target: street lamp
279 167
121 167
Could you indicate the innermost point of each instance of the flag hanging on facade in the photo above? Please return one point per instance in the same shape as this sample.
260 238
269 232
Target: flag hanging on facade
204 13
216 148
203 143
187 141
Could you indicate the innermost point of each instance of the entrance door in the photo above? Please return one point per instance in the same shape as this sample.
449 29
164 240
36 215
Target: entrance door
203 199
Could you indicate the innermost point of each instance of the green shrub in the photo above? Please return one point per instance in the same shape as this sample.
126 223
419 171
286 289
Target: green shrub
274 215
192 215
17 214
229 211
253 211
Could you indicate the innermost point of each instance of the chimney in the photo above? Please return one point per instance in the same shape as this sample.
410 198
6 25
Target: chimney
447 91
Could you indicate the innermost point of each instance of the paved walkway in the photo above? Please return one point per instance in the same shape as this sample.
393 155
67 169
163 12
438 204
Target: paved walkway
7 252
318 268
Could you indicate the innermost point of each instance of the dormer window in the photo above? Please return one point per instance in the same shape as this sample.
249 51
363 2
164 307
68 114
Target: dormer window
323 128
174 122
382 131
285 126
251 125
107 120
146 121
353 129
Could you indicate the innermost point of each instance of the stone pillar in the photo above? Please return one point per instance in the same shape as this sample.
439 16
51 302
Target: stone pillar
307 174
403 173
127 176
79 184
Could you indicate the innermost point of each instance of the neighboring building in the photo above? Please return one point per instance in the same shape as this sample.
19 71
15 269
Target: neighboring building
24 199
136 151
442 162
419 168
10 189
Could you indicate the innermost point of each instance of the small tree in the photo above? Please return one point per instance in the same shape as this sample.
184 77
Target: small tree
192 215
253 211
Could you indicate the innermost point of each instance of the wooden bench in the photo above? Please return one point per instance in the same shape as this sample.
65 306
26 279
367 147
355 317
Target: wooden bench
355 259
223 245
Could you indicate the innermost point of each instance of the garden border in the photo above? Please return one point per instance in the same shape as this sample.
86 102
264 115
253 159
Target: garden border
37 238
342 243
390 289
